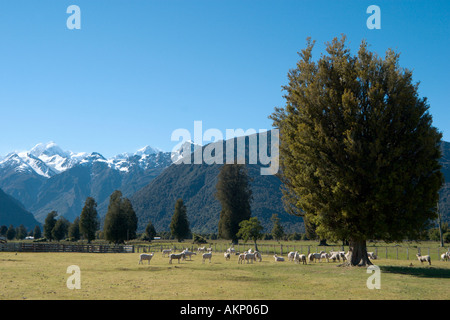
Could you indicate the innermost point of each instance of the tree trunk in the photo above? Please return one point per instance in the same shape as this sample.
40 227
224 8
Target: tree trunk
256 246
358 254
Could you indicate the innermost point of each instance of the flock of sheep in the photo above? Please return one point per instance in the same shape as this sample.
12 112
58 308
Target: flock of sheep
250 256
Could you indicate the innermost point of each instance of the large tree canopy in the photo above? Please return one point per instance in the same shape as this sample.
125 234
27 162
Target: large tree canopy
358 152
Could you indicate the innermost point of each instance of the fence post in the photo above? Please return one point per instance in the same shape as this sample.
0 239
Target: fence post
386 252
407 254
397 253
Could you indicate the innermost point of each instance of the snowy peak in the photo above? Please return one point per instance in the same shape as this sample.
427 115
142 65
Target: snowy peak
48 159
147 150
49 150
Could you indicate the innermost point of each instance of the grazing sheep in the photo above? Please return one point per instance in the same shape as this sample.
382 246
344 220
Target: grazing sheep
207 255
249 257
241 258
258 256
201 249
227 255
188 253
231 250
278 259
145 256
291 256
423 258
445 256
325 256
371 255
166 251
299 257
335 256
177 256
315 256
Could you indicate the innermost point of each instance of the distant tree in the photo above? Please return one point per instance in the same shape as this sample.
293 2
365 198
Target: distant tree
37 232
74 230
11 232
120 220
235 195
198 239
277 229
150 231
446 237
89 221
251 229
359 157
21 232
61 229
49 224
3 230
131 218
179 226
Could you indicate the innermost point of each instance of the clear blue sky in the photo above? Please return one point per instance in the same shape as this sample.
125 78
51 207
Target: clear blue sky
137 70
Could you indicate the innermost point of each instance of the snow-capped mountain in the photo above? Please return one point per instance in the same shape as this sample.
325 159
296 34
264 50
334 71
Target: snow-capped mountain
50 178
49 159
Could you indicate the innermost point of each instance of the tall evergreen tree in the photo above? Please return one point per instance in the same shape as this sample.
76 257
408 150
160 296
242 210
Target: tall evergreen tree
61 229
89 221
359 156
11 232
74 230
234 194
120 220
21 232
132 221
150 231
277 229
49 224
179 226
37 232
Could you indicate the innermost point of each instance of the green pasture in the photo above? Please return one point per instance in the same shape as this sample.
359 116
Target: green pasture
118 276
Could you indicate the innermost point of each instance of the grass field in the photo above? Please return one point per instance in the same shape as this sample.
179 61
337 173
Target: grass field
114 276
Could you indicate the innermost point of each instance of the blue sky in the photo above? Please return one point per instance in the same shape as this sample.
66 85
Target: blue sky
137 70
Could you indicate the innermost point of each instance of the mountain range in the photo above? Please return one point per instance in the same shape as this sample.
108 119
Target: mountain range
47 178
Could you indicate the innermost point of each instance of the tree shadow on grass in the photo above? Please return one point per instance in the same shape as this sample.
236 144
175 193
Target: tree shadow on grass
423 272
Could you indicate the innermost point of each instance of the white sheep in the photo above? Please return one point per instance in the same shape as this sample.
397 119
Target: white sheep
207 255
423 258
166 251
249 257
227 255
334 255
445 256
291 256
201 249
258 256
145 256
188 253
371 255
325 256
231 250
315 256
241 257
278 259
299 257
177 256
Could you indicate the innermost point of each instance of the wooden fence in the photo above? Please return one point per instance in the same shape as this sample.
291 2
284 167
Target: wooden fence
59 247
